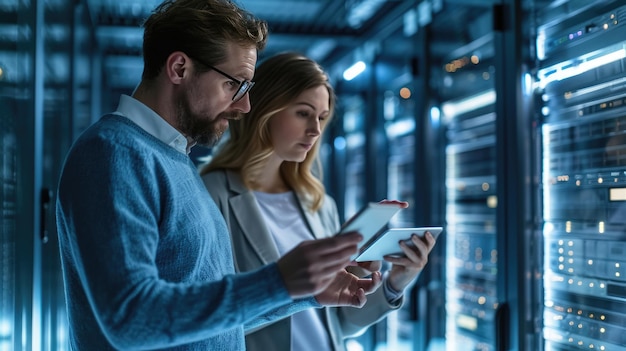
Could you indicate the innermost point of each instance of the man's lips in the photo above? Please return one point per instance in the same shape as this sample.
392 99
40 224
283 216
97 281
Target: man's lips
232 116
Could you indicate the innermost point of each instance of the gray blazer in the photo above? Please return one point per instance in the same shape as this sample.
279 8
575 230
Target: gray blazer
253 246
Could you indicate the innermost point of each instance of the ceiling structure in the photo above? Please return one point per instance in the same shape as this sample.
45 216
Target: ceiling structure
336 33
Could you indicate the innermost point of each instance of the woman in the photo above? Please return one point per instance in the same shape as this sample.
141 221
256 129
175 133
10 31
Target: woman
261 180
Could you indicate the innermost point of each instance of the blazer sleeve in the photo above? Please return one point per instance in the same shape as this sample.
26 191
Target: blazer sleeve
349 321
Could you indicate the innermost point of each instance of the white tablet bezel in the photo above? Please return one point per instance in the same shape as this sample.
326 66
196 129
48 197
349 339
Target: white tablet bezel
371 220
388 242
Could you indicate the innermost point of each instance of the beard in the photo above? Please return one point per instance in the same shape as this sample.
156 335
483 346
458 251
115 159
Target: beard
204 130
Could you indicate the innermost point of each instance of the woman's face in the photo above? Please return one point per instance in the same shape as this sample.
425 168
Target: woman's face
295 130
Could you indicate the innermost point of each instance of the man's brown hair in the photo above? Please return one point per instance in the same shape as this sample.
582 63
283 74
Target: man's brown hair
199 28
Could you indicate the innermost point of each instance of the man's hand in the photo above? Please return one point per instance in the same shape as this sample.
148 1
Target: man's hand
364 268
405 269
313 265
349 290
403 204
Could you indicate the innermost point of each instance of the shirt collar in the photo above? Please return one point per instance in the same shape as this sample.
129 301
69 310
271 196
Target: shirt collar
154 124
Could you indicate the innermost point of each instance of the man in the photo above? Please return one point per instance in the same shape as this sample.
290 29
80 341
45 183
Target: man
146 255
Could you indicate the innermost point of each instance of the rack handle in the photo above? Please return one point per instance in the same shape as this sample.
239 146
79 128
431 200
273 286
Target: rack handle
44 201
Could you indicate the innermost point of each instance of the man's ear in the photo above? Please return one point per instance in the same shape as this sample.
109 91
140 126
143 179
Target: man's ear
177 66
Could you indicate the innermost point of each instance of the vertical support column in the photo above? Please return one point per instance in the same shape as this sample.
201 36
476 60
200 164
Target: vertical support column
30 159
513 176
37 167
375 139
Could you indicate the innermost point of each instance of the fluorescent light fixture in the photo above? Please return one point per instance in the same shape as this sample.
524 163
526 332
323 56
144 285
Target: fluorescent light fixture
455 108
578 66
362 11
354 70
399 128
355 140
435 115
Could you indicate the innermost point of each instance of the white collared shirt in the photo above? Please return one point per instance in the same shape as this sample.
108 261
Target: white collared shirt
151 122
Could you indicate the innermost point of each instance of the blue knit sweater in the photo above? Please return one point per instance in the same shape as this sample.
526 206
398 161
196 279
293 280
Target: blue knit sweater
146 255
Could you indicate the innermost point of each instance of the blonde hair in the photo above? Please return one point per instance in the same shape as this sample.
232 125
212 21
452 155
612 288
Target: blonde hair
279 81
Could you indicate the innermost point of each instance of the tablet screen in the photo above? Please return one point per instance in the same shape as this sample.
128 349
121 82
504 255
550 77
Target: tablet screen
388 242
370 220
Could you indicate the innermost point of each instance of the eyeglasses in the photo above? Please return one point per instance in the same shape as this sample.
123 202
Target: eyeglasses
244 85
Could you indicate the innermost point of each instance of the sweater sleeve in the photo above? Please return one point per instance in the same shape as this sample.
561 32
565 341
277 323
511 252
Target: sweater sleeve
148 277
280 313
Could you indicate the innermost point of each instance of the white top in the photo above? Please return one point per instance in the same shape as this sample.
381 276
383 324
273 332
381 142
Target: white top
286 224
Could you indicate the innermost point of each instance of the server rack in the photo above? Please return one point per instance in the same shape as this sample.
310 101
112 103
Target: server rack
400 123
472 258
481 86
46 90
582 104
20 118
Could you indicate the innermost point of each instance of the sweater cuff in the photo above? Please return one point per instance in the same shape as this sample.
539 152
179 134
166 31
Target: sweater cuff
273 274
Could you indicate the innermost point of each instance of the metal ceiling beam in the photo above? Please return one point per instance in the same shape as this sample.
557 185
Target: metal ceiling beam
477 3
136 34
383 29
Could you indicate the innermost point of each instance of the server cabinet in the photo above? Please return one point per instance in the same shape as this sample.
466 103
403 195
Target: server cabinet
480 85
471 252
582 99
21 87
400 114
45 93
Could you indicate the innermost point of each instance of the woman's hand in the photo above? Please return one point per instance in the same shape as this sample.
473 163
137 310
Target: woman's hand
405 269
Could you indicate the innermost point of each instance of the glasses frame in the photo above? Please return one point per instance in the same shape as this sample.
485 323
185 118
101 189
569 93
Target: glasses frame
244 85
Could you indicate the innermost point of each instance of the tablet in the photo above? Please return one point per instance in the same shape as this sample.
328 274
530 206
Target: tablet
388 242
371 220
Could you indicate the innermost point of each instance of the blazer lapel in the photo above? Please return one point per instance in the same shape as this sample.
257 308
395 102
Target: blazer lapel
250 220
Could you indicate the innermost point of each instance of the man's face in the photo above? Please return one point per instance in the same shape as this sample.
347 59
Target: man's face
205 103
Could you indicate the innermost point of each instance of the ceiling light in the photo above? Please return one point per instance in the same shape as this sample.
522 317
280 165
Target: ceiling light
354 70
